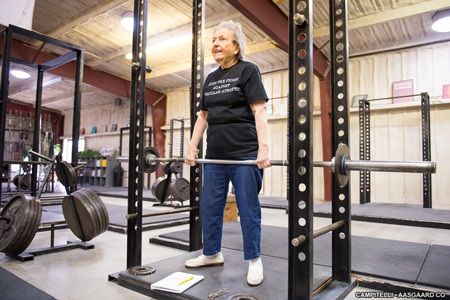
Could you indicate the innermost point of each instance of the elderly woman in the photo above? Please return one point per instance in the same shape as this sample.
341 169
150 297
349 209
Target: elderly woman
233 108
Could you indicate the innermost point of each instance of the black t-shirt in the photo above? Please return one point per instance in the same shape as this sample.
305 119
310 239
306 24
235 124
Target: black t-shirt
226 96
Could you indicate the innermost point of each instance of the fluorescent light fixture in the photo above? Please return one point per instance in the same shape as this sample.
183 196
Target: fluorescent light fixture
441 21
19 73
49 82
127 21
164 44
175 41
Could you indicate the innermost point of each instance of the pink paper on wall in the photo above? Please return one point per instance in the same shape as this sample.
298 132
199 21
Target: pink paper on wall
402 91
446 91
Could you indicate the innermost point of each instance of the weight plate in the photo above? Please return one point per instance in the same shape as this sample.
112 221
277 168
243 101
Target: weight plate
87 198
25 180
176 167
23 240
79 217
25 237
167 168
150 152
101 208
93 212
97 216
19 222
70 173
68 177
13 218
341 176
242 297
159 188
180 189
141 270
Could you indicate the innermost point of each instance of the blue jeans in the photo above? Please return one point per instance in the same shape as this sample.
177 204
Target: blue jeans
247 182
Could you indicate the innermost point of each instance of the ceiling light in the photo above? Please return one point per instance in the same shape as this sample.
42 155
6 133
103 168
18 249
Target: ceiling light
172 42
127 21
162 45
49 82
18 73
441 21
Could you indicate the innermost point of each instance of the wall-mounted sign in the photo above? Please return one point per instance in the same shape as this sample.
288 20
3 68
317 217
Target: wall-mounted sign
402 91
446 91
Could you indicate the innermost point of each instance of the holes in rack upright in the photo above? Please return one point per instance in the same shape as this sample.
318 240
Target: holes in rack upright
302 153
302 53
302 37
301 6
302 204
302 119
301 256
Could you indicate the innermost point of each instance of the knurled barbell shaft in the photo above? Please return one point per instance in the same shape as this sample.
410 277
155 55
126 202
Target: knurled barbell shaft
152 160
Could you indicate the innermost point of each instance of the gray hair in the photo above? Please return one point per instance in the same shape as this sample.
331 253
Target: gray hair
239 36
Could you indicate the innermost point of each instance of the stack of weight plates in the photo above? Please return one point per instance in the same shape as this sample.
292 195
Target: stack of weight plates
85 213
19 222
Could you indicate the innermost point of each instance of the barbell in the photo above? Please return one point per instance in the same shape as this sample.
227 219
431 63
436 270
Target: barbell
340 164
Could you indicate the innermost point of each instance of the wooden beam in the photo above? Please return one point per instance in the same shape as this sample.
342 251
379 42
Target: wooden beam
99 79
269 18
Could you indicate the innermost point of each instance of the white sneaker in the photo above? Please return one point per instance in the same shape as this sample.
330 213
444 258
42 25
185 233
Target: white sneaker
205 261
255 274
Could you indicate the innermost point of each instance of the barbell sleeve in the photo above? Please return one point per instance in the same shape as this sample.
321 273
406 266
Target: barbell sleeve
390 166
323 164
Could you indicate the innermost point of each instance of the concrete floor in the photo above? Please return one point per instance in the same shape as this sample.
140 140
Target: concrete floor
83 274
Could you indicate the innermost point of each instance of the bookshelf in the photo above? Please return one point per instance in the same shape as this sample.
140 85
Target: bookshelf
95 171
